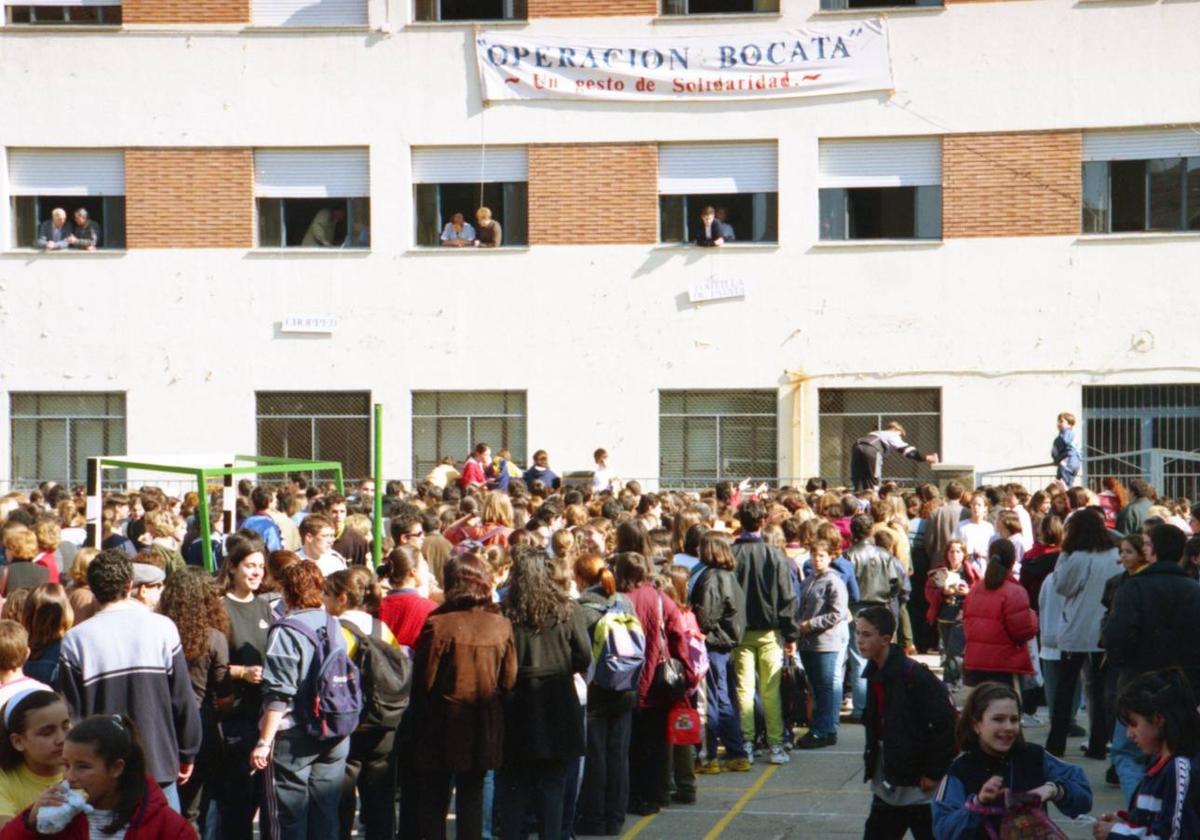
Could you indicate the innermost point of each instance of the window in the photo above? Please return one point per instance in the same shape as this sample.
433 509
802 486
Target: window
447 181
834 5
438 10
718 7
846 414
707 436
42 181
738 180
53 435
881 189
1146 431
1141 181
317 425
313 198
309 12
452 422
67 12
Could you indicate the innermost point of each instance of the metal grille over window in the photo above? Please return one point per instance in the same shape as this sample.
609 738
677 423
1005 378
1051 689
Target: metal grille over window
450 423
53 435
707 436
1143 431
846 414
317 425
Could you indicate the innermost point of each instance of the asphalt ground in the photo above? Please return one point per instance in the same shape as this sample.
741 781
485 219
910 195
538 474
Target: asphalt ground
820 794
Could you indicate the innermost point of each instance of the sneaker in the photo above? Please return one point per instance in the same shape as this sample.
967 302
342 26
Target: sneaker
709 768
1031 720
812 741
738 765
778 756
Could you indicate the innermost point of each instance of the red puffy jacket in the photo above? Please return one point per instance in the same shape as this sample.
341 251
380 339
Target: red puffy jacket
153 820
997 624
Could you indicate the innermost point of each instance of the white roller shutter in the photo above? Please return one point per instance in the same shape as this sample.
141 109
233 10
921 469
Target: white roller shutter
309 12
62 172
470 165
1141 144
890 162
718 168
311 173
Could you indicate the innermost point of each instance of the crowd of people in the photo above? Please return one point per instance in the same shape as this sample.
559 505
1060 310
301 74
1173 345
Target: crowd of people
552 658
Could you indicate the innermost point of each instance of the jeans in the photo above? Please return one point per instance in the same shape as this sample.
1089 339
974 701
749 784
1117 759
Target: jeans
304 786
760 657
953 642
723 722
488 815
858 685
826 690
1129 761
540 784
604 794
171 792
371 772
890 822
1060 712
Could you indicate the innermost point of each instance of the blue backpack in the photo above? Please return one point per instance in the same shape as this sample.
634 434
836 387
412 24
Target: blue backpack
618 650
330 701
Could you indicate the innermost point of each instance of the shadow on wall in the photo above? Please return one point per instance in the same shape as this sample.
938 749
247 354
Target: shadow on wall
661 255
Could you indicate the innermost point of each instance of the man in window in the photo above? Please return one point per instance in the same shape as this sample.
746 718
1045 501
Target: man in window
322 232
457 232
54 234
713 232
86 234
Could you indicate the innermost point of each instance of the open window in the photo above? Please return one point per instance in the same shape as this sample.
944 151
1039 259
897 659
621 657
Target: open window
1141 181
838 5
452 185
313 198
739 181
881 189
67 200
65 12
309 12
430 11
719 7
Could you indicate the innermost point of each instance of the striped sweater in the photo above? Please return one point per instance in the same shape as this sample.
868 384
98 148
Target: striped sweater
129 660
1166 804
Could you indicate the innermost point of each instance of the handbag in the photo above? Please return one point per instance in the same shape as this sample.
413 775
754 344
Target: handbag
1021 817
669 678
683 725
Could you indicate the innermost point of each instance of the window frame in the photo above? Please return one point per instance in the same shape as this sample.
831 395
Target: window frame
1097 210
665 10
686 476
68 420
349 203
41 214
101 11
502 216
842 195
880 418
511 7
419 471
828 6
689 215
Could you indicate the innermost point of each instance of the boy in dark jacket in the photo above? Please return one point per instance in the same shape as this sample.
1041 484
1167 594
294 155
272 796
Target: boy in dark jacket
910 732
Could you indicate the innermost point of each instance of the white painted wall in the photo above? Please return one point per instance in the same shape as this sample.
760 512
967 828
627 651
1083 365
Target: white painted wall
1009 329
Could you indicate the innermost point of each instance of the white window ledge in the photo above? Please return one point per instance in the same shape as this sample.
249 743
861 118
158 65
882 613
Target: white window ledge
458 24
731 246
66 254
875 244
337 253
451 251
332 29
1143 237
730 17
880 10
41 29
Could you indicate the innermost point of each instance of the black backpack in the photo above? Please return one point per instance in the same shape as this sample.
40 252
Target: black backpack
386 677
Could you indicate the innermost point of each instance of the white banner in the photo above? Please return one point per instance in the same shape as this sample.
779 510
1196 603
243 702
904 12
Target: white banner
843 57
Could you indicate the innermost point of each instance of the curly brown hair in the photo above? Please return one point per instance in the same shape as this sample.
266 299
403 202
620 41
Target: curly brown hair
192 599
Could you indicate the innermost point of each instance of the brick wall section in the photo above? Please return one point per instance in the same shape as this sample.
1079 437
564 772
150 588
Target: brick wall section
590 8
1011 184
596 193
189 198
185 11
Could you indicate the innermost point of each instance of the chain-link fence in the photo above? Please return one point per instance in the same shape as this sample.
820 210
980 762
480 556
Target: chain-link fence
448 424
847 414
710 436
317 425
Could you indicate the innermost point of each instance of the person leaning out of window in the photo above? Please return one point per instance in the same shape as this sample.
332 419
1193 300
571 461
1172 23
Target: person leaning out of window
713 232
458 232
487 230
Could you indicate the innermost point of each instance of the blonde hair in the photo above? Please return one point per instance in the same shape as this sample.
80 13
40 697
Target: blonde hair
20 544
497 507
483 213
160 523
83 558
359 522
48 532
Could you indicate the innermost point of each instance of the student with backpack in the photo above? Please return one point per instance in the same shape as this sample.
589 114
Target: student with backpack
312 703
618 654
386 679
715 600
909 724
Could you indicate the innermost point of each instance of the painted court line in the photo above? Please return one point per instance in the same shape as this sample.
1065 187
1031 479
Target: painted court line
639 827
750 793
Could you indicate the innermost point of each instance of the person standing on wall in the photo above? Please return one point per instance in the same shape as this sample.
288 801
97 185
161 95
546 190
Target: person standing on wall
866 458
